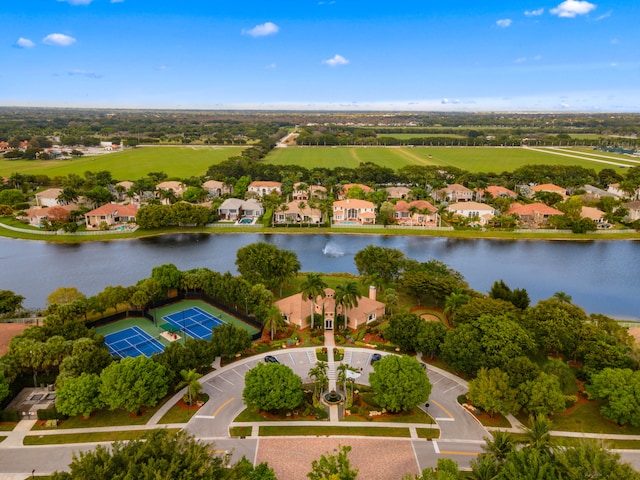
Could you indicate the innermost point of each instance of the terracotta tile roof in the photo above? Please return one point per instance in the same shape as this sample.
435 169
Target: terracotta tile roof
497 190
265 184
345 188
353 203
130 210
403 206
455 187
532 209
460 206
592 213
50 193
548 187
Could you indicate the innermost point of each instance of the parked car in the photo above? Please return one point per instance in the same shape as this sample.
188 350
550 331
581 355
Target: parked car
375 357
271 359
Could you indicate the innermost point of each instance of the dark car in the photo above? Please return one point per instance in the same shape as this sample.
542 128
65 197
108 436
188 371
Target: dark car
271 359
375 357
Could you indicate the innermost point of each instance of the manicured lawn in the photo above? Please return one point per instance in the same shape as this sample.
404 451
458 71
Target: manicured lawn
330 430
240 431
7 426
414 416
585 417
473 159
131 164
86 437
105 418
428 432
181 413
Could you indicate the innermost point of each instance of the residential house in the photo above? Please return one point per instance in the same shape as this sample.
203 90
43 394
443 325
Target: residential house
4 147
303 192
417 213
37 216
549 188
111 214
344 189
296 309
616 190
234 209
598 193
48 198
354 211
400 193
634 211
480 213
533 214
295 214
217 189
496 191
121 190
454 193
163 190
261 188
593 214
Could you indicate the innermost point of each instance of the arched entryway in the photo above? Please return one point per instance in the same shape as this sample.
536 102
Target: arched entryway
328 323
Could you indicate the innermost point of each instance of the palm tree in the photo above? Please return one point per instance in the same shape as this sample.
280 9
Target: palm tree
190 380
499 446
312 287
273 321
319 375
347 294
537 435
453 302
343 368
562 297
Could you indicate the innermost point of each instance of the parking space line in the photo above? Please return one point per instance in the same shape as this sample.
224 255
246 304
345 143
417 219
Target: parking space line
222 378
292 360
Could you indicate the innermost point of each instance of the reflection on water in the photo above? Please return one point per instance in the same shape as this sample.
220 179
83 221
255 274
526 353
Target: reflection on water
600 276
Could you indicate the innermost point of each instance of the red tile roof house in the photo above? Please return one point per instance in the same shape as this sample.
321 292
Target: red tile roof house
354 211
48 198
37 215
178 188
303 194
296 309
533 214
495 191
454 193
593 214
260 188
478 212
217 189
550 188
424 215
295 214
344 189
111 214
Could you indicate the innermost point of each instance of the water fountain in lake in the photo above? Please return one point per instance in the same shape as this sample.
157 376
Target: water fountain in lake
331 249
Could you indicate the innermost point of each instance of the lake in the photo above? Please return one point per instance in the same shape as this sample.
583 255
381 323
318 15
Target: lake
601 276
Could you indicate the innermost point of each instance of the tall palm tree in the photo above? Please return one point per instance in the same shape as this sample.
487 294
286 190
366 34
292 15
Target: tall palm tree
453 302
190 380
343 368
320 377
562 297
312 287
347 294
537 435
273 321
499 446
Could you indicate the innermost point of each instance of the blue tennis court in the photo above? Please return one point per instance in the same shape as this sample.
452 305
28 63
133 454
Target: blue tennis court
132 342
195 322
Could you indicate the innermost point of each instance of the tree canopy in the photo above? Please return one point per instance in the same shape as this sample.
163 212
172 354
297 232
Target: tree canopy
399 383
272 386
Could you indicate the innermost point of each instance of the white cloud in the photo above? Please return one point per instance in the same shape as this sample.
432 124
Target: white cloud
263 30
82 73
534 13
336 61
77 2
603 16
59 39
504 22
573 8
446 101
25 43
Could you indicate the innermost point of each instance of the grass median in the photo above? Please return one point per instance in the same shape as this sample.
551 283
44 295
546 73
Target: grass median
85 437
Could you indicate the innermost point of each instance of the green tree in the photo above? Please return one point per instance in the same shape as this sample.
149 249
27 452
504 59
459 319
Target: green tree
556 325
10 302
588 461
430 338
272 387
190 380
64 295
79 396
228 339
399 383
447 469
195 195
4 386
320 379
543 396
453 302
347 295
333 467
160 454
168 276
132 383
617 389
404 330
267 264
380 265
272 322
312 288
490 391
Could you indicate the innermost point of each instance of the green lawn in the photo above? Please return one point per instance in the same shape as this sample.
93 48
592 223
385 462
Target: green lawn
131 164
179 414
585 417
86 437
272 431
473 159
406 136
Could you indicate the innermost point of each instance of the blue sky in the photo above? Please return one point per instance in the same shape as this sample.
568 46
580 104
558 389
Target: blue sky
532 55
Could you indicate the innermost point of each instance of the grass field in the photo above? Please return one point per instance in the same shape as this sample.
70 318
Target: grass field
473 159
405 136
131 164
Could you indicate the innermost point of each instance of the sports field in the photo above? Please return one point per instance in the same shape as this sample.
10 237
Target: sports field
131 164
473 159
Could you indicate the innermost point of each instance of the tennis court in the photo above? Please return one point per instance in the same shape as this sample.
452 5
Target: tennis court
195 322
132 342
